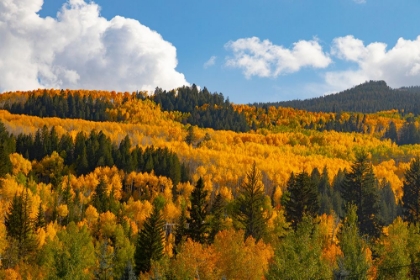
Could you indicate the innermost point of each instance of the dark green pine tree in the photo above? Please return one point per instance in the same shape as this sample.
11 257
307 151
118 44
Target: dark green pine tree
411 190
249 208
19 228
301 199
180 228
100 199
40 218
217 212
5 163
359 188
197 227
150 242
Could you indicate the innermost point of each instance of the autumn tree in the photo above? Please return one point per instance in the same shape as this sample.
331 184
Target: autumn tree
411 189
250 204
301 199
150 242
359 188
197 227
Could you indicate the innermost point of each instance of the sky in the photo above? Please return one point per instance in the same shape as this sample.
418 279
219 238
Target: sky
251 51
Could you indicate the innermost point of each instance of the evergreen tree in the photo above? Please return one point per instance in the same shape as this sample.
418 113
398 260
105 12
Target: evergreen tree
249 211
353 264
217 211
359 188
191 138
299 255
40 218
100 199
301 199
19 228
197 227
411 192
5 163
149 242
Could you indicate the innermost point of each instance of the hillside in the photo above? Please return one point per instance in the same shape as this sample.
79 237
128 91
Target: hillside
370 97
101 175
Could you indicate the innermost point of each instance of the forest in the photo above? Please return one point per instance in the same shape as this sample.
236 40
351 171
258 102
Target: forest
185 184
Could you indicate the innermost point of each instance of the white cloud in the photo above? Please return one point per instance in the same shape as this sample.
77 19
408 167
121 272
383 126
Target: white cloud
398 66
210 62
264 59
81 49
360 1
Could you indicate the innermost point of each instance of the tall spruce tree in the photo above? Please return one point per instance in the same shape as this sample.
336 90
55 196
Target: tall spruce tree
150 242
197 227
360 188
301 199
19 228
411 189
249 208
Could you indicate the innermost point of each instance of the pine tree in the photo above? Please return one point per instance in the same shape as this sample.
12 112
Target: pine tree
217 212
359 188
100 199
197 227
353 264
19 227
149 242
411 189
5 163
301 200
249 211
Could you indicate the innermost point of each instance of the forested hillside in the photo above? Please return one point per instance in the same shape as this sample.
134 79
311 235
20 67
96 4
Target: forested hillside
370 97
186 185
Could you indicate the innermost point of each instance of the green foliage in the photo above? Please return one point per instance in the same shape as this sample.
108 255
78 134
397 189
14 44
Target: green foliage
250 204
359 188
20 229
369 97
71 256
354 263
394 252
301 199
149 242
197 227
205 109
411 189
299 254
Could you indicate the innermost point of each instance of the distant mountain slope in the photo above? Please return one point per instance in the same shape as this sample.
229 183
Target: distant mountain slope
370 97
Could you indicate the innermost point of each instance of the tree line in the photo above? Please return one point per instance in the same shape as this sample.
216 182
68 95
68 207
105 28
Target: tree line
369 97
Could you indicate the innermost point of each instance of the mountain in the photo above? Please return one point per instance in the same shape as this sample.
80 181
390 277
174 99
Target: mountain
370 97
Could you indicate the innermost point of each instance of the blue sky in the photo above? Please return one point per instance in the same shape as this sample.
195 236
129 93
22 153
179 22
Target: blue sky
251 51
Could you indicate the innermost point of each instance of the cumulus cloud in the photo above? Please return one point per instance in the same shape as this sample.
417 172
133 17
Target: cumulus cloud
264 59
210 62
398 66
81 49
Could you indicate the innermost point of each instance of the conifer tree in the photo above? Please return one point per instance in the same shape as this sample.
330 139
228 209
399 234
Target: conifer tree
301 199
359 188
150 242
19 227
100 199
411 190
197 228
353 264
217 212
249 211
